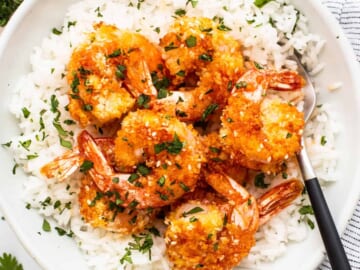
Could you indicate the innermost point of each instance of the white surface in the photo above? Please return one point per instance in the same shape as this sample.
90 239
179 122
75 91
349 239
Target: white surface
10 244
49 248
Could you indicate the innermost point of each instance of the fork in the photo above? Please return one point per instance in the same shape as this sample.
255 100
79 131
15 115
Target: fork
329 234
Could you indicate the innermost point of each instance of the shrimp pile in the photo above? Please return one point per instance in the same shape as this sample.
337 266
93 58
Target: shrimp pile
194 120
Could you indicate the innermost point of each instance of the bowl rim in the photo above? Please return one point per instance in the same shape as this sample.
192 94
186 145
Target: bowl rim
350 61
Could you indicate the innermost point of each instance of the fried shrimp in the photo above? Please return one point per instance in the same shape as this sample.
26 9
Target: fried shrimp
164 154
217 230
261 131
104 210
202 62
108 72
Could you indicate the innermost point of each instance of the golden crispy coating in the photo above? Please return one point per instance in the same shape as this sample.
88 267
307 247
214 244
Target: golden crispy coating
259 131
265 132
104 69
212 231
168 148
104 210
205 60
215 230
164 154
184 44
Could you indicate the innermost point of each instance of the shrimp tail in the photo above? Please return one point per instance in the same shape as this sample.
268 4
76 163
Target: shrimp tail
278 198
101 169
286 80
63 166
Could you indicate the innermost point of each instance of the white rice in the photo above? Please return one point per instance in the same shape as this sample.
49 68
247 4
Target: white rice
261 40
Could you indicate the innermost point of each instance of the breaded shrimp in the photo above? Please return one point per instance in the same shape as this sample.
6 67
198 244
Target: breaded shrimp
164 154
203 63
104 210
260 131
108 72
217 230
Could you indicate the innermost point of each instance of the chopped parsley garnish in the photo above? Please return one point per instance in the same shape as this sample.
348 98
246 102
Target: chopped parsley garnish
260 181
75 83
215 150
98 13
126 257
159 84
161 181
133 177
261 3
180 73
119 72
33 156
7 8
86 166
284 175
209 110
173 147
55 31
14 168
205 57
115 180
193 219
71 23
143 101
87 107
8 144
306 209
9 262
190 41
223 27
143 243
323 140
162 93
59 128
54 104
205 30
25 112
60 231
97 197
46 226
25 144
258 66
192 211
288 135
65 143
57 204
157 30
143 169
69 122
162 196
133 204
180 113
169 47
241 84
193 3
180 12
184 187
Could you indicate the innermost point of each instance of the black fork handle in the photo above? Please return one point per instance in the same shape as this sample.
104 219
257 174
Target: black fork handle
327 228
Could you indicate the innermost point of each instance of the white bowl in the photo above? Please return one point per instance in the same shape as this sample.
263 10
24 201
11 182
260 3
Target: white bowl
33 21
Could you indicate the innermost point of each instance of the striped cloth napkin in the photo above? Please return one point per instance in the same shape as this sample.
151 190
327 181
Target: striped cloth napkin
347 13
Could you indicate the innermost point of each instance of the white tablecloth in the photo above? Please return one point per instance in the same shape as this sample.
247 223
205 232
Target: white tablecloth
347 12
